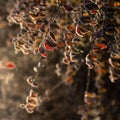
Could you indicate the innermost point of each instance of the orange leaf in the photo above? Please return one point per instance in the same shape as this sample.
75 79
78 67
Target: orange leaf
10 65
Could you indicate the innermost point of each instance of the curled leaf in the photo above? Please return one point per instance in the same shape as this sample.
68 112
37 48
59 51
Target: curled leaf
69 36
49 45
32 82
71 27
67 7
33 93
78 31
53 25
101 45
42 52
91 6
52 36
85 20
31 100
89 62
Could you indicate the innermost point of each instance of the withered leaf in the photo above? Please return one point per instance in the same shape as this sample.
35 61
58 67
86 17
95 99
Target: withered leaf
52 36
53 25
67 7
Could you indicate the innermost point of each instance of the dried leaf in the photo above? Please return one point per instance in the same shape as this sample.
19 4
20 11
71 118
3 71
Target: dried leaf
53 25
71 27
85 20
78 31
91 6
69 36
101 45
42 52
67 7
49 45
52 36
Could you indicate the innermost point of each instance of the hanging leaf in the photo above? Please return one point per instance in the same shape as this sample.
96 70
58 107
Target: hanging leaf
52 36
101 45
69 36
32 82
85 20
31 100
78 31
71 27
68 43
33 93
43 15
93 12
66 61
42 52
49 45
89 62
42 28
75 40
53 26
29 108
90 6
67 8
61 44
